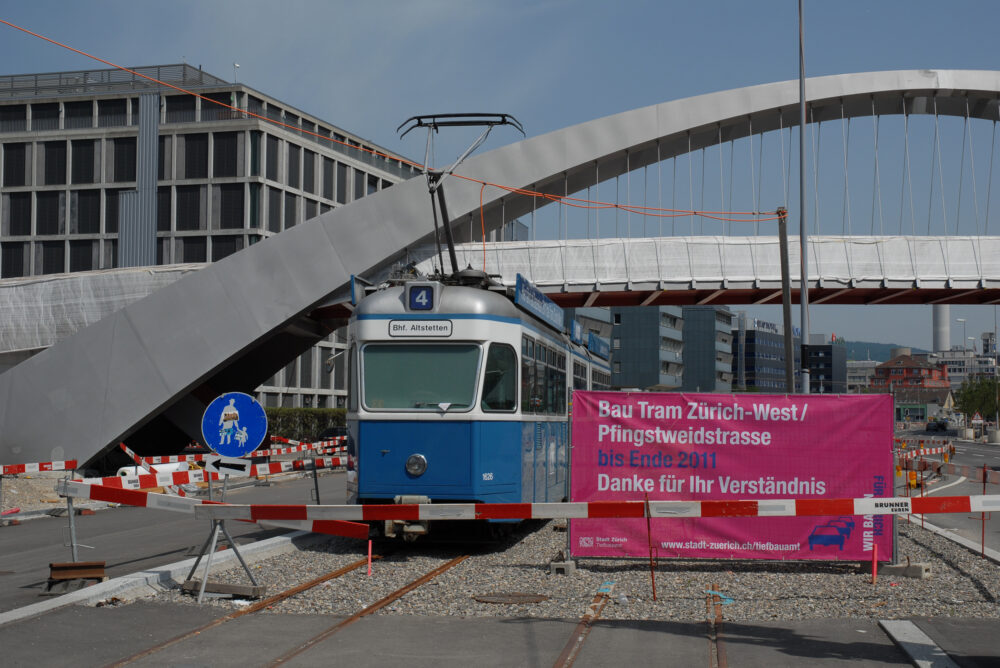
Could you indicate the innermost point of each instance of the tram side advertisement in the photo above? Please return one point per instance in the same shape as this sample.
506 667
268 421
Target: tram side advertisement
694 447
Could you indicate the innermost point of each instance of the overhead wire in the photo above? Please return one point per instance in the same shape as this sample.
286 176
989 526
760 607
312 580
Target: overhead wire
566 201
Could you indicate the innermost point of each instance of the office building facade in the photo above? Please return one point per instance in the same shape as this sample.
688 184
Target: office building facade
708 349
759 356
647 347
104 169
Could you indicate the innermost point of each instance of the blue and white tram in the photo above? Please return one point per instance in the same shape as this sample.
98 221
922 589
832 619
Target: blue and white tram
457 394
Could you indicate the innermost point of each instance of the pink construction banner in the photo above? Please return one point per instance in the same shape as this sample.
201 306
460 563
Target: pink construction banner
675 446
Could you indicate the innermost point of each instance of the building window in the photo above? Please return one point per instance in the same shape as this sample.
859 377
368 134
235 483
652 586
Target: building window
293 165
196 156
192 249
45 116
342 174
53 257
230 206
372 184
180 108
79 115
309 171
225 154
225 246
49 216
255 190
111 113
13 118
15 157
273 209
255 153
124 159
291 210
327 178
271 159
163 209
82 255
86 213
310 209
111 210
54 157
359 184
14 259
189 208
83 161
17 214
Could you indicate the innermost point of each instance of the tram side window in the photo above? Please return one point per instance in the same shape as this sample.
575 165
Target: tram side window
579 376
352 380
500 384
540 397
527 374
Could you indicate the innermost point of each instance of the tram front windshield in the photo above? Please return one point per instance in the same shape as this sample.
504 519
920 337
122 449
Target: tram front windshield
414 376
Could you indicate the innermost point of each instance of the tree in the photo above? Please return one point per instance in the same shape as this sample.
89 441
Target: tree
977 395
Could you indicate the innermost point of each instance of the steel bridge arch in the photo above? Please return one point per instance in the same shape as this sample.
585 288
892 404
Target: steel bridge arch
146 372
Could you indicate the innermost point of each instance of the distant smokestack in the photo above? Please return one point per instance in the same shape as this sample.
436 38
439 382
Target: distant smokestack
942 327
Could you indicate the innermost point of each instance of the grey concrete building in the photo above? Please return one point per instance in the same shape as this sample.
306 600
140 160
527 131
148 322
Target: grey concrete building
647 348
708 351
104 169
827 364
759 356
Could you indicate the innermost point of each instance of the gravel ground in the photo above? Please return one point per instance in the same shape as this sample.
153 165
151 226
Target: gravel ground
35 491
962 584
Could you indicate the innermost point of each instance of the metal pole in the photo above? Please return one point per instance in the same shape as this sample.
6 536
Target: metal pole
72 528
786 300
316 480
803 228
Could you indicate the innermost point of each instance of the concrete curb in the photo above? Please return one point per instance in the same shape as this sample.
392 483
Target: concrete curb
991 554
151 582
923 652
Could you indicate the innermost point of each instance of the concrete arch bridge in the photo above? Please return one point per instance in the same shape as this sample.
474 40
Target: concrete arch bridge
145 372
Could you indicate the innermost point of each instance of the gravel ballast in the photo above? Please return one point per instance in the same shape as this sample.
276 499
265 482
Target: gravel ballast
961 585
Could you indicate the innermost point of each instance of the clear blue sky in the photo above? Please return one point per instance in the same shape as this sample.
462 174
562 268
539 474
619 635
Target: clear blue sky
366 66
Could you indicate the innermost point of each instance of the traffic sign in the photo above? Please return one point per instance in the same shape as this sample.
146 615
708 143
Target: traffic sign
977 418
231 466
234 424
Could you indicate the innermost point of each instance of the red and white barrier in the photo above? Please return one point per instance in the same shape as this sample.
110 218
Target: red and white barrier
608 509
332 444
921 453
921 442
82 490
973 473
150 480
14 469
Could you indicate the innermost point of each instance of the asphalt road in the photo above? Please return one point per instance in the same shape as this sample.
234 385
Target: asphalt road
133 539
970 525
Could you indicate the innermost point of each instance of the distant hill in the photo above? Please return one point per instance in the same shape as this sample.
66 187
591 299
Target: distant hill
880 352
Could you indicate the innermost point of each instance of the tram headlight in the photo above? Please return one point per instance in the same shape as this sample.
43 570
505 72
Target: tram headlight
416 465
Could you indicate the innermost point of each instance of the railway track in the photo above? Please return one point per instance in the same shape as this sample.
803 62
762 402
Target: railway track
292 591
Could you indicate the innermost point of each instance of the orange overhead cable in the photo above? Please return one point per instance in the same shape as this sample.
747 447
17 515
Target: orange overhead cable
208 99
566 200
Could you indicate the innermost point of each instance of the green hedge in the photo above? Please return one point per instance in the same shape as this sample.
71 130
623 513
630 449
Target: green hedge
303 424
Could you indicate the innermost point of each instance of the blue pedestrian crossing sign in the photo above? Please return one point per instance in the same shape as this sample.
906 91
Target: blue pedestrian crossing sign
234 424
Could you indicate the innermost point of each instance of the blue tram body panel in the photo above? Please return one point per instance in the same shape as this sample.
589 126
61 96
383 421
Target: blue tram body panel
471 380
466 461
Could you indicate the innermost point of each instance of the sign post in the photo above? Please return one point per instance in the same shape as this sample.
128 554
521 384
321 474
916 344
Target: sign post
233 426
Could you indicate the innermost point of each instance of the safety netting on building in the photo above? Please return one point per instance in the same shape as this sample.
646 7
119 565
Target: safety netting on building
716 261
40 310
